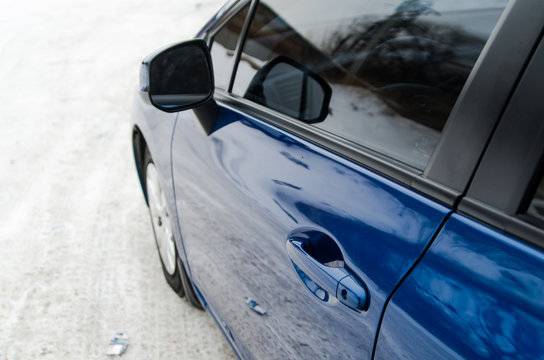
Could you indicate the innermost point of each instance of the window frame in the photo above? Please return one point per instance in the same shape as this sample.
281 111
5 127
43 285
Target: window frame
504 204
230 13
483 96
222 22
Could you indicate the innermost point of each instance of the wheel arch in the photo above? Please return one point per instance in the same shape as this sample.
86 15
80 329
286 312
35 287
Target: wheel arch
139 147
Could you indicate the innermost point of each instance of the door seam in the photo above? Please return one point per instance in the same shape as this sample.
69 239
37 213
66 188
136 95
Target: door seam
405 276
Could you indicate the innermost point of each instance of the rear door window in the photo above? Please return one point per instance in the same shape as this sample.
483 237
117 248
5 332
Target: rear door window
395 68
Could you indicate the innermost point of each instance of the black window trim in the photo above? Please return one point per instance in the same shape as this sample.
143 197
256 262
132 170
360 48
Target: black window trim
514 225
231 13
503 204
217 18
485 95
435 181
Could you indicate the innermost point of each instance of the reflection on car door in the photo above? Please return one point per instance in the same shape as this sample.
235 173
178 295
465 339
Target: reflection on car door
476 294
248 189
267 217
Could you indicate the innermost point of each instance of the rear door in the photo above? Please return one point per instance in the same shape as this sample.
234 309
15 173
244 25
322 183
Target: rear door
478 292
315 215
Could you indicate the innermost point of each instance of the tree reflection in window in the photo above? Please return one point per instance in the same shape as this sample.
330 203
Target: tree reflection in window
395 68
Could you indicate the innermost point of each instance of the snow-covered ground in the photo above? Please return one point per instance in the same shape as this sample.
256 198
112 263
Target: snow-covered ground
78 261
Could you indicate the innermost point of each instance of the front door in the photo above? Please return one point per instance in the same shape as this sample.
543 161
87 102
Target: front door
257 205
295 248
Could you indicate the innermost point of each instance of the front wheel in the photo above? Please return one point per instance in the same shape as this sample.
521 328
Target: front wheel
162 226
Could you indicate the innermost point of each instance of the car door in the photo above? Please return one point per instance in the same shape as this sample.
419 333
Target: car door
313 201
478 291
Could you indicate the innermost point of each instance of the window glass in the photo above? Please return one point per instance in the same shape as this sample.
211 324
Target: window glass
223 48
394 68
536 209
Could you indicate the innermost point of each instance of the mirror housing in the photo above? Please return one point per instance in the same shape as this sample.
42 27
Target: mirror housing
179 77
290 88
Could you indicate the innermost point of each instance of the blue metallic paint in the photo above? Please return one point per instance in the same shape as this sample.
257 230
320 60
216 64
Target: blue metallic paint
477 294
244 189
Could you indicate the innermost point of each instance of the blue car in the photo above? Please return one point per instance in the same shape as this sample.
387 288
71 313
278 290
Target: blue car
353 180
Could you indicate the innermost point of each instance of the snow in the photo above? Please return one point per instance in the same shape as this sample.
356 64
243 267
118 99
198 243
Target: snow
78 261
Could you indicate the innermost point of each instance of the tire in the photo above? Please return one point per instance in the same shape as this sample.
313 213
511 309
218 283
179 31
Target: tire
162 226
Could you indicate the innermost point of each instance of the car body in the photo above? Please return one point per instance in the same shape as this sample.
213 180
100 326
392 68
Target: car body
356 181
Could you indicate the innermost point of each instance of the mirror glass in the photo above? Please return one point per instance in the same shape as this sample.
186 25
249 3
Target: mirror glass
288 87
180 77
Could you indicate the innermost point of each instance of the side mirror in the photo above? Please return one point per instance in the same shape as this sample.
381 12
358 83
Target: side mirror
288 87
179 77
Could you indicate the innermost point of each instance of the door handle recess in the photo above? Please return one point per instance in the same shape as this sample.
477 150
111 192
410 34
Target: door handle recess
325 281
